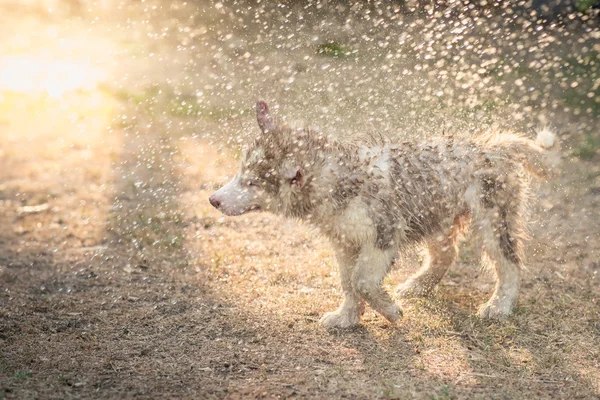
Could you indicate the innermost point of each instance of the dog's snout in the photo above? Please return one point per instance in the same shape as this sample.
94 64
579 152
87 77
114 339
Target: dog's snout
215 203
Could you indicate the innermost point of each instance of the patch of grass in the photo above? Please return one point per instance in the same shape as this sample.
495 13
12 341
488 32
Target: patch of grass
487 106
503 69
551 360
147 95
391 392
334 49
442 394
217 264
155 100
585 67
186 107
218 113
175 241
588 148
586 64
22 374
584 5
578 99
481 111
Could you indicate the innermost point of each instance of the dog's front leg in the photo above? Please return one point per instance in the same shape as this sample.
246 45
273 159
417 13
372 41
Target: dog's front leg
372 265
348 315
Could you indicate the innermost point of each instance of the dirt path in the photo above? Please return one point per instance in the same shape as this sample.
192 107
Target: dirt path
117 278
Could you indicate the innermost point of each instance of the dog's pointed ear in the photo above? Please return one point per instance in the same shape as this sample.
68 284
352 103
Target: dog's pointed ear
296 177
264 118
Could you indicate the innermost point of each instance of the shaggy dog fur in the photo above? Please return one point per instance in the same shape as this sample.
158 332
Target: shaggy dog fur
374 201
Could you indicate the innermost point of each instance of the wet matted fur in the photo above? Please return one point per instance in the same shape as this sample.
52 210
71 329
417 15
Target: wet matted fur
374 201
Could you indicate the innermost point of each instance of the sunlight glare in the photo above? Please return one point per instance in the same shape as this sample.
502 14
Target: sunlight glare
30 74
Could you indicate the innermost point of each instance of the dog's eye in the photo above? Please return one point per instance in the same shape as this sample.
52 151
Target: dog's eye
252 183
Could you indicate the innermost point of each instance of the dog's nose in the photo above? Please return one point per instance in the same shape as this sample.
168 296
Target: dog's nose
215 203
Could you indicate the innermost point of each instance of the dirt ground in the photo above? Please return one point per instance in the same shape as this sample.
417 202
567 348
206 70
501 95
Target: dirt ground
119 280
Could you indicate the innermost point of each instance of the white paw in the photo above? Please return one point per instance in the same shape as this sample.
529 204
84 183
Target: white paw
393 313
339 319
495 309
413 288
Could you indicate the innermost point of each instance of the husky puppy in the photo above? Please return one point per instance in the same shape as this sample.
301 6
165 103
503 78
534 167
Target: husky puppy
374 201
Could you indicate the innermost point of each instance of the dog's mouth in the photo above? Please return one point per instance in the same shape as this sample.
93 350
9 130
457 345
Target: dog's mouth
234 213
253 208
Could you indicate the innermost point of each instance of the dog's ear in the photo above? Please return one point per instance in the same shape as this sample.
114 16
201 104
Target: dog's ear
295 177
265 121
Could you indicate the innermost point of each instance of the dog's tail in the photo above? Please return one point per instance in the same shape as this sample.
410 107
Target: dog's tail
540 157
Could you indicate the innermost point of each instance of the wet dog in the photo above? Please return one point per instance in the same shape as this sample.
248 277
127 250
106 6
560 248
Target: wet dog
374 201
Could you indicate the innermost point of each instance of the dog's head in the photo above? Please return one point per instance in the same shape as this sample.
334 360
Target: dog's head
272 176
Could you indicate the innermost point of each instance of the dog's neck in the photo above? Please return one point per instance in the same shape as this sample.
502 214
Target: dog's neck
324 163
333 178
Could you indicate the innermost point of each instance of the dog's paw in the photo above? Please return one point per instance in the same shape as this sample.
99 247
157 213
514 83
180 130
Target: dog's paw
412 288
497 310
339 319
393 313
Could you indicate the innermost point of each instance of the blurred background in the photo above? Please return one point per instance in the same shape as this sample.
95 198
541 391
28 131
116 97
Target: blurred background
118 119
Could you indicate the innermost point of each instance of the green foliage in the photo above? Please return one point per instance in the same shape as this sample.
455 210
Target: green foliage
588 148
140 97
184 106
442 394
22 374
333 49
584 5
585 64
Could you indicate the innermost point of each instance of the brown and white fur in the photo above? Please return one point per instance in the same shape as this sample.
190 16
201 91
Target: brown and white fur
374 201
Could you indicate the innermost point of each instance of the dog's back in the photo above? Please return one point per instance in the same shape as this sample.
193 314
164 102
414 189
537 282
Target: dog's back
419 188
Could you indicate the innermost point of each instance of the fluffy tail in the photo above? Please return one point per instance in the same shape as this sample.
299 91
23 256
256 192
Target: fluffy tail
540 156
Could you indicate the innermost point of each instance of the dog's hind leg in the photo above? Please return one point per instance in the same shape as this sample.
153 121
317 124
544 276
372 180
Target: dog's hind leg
348 314
372 265
440 256
500 231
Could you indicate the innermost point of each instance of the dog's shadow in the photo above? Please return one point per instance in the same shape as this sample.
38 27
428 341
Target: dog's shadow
441 339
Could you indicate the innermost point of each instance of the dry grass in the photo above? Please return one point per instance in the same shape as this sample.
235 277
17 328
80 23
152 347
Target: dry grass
128 284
